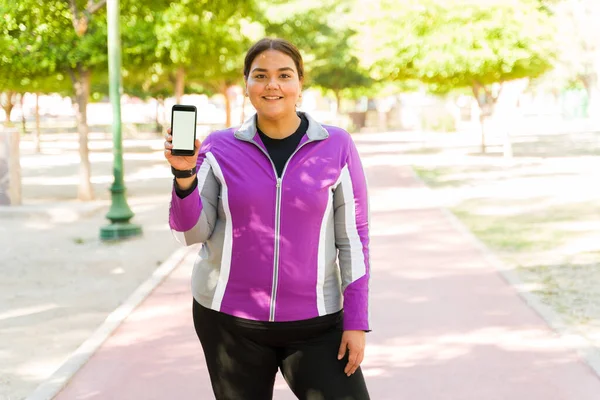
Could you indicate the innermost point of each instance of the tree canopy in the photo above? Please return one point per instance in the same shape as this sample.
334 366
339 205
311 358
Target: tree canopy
451 44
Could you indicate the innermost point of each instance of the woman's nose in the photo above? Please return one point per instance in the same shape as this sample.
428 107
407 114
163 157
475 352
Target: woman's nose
271 84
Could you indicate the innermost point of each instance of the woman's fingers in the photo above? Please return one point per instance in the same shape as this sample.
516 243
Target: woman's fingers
356 363
354 341
168 145
353 362
180 162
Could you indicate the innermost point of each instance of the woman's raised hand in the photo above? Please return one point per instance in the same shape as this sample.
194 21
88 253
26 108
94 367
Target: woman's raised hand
180 162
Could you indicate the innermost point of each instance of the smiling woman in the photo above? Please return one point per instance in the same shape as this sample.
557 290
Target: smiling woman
277 286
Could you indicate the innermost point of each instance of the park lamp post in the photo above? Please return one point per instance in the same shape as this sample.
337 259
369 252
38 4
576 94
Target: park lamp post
119 213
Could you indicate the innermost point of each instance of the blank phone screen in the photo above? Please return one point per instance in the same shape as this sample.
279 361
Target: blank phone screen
183 130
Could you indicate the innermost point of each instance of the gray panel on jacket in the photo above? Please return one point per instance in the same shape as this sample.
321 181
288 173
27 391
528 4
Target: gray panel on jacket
332 285
342 241
209 193
208 264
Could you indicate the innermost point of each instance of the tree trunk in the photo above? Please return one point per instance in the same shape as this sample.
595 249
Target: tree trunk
164 112
23 121
506 113
10 168
15 169
81 84
37 138
244 109
9 105
5 168
338 101
158 127
179 84
482 125
485 101
224 91
338 105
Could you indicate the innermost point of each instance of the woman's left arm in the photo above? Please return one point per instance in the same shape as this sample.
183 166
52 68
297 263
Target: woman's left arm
351 215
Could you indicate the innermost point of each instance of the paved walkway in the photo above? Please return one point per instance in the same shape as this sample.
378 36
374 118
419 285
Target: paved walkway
446 325
59 280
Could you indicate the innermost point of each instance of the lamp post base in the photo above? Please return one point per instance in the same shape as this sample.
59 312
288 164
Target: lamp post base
118 231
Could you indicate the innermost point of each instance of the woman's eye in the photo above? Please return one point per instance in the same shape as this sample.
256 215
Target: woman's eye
285 76
261 76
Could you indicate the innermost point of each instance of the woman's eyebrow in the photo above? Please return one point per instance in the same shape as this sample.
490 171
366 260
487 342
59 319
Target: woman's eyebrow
280 69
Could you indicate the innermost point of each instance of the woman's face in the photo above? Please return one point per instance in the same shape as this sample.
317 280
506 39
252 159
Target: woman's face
273 84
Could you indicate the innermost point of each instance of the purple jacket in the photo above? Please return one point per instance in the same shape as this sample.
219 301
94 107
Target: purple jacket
271 246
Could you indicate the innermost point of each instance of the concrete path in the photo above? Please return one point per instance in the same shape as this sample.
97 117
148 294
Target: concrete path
446 325
59 281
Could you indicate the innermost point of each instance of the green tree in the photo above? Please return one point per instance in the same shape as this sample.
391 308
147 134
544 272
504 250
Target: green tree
67 37
325 42
187 45
78 39
309 25
341 72
452 44
197 36
153 83
143 75
43 84
225 67
20 55
23 67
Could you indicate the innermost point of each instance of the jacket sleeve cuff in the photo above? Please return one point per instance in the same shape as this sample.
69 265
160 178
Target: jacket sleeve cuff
355 325
356 304
185 212
182 194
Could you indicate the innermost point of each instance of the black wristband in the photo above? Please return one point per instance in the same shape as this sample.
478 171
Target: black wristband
188 173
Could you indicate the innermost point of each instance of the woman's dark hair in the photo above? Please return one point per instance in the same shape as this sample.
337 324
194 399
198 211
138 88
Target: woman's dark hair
281 45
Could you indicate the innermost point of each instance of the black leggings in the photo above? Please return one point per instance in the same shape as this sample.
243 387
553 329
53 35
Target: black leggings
243 357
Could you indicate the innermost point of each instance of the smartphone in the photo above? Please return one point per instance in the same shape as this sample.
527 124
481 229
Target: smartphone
183 129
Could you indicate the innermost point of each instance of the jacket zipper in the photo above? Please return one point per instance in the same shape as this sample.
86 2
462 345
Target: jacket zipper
276 256
277 226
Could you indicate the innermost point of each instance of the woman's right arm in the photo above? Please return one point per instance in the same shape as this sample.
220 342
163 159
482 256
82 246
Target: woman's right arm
194 200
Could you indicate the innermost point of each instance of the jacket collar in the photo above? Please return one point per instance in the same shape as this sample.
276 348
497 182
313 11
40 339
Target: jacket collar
315 130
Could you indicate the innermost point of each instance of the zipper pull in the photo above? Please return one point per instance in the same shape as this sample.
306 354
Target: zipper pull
278 183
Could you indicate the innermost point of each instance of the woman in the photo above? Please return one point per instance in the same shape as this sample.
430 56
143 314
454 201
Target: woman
280 206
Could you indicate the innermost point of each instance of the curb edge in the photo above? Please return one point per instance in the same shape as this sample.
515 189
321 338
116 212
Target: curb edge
51 386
